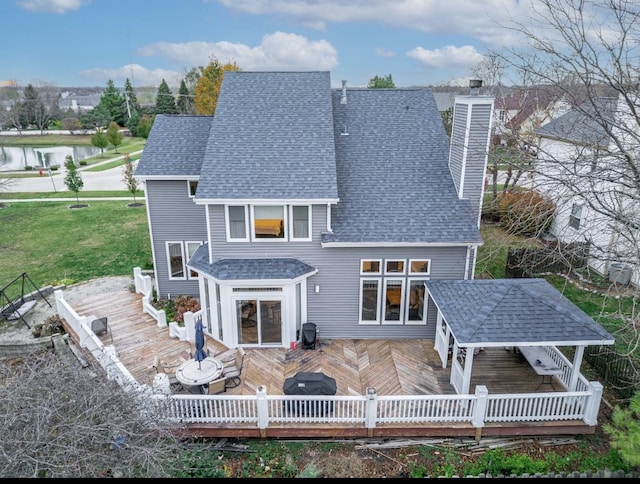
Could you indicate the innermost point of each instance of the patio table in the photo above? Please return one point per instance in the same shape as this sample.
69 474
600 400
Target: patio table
541 363
194 373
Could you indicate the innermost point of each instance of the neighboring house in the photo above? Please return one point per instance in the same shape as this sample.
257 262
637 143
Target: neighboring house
79 102
301 203
519 114
593 182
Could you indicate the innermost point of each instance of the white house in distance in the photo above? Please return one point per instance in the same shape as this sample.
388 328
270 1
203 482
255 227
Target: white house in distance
587 163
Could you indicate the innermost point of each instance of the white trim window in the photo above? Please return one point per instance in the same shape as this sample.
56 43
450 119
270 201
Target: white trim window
236 223
300 216
419 266
370 295
416 307
394 266
370 266
268 223
394 301
191 248
399 298
575 217
192 186
175 260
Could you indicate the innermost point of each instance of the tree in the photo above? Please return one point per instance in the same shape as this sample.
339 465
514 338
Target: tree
208 87
144 126
132 182
131 100
165 102
586 50
378 82
114 136
98 117
100 140
79 426
132 123
114 103
185 104
36 111
72 178
624 430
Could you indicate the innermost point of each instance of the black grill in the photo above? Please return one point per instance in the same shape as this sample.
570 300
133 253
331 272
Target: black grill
309 336
307 383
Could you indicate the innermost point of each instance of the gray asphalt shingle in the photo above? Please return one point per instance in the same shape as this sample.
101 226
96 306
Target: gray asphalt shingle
513 312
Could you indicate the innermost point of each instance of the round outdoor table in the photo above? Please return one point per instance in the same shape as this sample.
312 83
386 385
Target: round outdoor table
197 373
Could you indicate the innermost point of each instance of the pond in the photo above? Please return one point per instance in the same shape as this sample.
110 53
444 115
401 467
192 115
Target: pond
15 158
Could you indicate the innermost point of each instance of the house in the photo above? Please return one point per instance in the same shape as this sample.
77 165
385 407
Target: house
588 166
301 203
518 114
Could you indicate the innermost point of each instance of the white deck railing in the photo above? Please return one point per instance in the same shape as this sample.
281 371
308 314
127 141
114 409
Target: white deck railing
370 410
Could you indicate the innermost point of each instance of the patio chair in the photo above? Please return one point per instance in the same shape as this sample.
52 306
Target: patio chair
218 386
99 326
226 356
232 370
160 368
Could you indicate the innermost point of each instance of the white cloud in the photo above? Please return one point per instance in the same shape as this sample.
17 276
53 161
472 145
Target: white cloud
448 57
278 51
53 6
483 20
138 75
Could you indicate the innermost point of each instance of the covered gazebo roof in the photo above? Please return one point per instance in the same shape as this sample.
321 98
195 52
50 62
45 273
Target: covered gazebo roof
513 312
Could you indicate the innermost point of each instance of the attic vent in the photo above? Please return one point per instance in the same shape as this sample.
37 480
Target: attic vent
343 98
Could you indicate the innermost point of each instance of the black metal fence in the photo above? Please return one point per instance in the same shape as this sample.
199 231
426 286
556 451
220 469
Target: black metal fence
619 372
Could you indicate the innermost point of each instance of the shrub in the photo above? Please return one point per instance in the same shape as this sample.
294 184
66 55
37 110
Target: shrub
525 212
28 168
175 308
83 162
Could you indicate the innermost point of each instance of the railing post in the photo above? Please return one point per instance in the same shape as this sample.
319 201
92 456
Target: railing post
480 409
263 409
371 410
189 320
593 403
137 279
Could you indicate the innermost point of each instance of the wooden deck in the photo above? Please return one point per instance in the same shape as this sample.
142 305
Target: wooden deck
393 367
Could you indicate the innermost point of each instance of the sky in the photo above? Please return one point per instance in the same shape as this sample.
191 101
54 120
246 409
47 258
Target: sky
77 43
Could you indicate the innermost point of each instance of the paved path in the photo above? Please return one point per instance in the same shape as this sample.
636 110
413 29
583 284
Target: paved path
111 179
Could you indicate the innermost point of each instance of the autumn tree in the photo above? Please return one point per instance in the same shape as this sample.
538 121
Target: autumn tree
114 136
99 140
165 101
208 87
72 178
378 82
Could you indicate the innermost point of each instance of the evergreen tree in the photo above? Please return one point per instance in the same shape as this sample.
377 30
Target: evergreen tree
98 117
72 179
100 140
113 102
132 123
185 104
206 94
114 136
131 104
165 101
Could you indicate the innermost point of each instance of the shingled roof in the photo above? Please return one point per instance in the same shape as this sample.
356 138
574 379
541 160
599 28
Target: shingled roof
513 312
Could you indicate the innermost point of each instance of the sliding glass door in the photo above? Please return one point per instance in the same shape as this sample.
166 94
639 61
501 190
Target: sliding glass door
259 321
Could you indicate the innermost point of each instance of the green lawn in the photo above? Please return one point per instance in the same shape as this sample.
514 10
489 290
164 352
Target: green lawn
51 242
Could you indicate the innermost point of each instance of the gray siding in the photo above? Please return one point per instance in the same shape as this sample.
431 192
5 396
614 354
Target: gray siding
173 217
458 132
335 308
476 155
